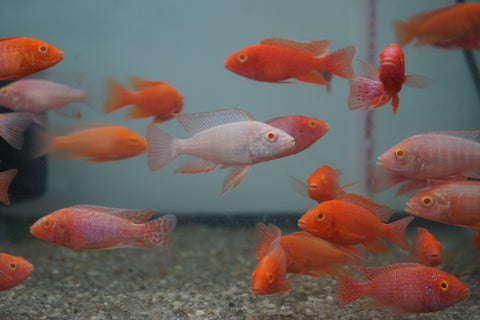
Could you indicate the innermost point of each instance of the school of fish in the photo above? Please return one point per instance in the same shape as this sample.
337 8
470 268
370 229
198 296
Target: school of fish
438 169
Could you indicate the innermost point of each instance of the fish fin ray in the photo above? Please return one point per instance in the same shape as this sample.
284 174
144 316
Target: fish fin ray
13 126
117 96
315 48
235 176
158 231
397 235
196 165
381 211
338 62
265 236
347 290
363 91
160 148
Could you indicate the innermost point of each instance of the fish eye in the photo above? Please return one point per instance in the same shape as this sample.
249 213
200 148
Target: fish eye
270 277
427 201
400 153
313 124
13 265
242 57
4 91
42 48
443 285
271 135
320 216
46 224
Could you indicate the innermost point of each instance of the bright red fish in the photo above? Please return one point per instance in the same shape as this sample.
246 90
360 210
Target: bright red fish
383 84
94 227
403 288
276 60
152 98
426 249
453 26
13 270
21 56
352 219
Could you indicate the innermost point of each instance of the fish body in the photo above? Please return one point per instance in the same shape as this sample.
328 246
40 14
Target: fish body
152 98
454 203
22 56
276 60
352 219
13 270
94 227
426 249
384 83
435 155
403 288
453 26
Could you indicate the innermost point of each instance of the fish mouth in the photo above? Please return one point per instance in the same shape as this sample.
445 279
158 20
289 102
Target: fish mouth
29 269
381 162
257 290
410 208
464 294
301 224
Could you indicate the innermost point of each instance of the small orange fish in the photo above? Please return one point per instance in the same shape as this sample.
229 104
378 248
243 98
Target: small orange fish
13 270
152 98
426 249
453 26
94 227
5 178
403 288
352 219
21 56
277 59
97 141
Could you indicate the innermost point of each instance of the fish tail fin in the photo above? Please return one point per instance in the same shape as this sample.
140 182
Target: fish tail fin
404 31
397 230
347 290
5 178
364 92
117 96
12 127
160 146
338 62
158 231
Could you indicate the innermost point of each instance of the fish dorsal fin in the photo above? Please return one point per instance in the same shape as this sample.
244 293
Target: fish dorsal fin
381 211
425 15
315 48
371 272
139 83
471 135
194 123
132 215
265 237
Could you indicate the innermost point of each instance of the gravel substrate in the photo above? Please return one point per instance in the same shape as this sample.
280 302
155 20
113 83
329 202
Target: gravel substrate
206 275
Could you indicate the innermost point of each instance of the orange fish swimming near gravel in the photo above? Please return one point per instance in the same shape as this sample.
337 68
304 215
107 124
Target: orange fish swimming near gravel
95 227
426 249
13 270
153 98
21 56
453 26
277 60
403 288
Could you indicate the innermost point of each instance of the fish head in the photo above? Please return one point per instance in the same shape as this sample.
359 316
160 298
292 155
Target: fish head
323 183
269 275
446 290
428 247
403 158
319 221
13 270
10 96
269 143
50 228
429 205
245 62
41 55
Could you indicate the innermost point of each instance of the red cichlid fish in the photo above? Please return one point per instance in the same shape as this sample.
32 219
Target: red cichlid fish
13 270
230 138
383 84
454 203
152 98
99 142
435 155
426 249
352 219
403 288
22 56
94 227
276 60
453 26
6 178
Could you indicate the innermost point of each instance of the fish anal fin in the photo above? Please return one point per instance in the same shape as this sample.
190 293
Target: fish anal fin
315 77
134 243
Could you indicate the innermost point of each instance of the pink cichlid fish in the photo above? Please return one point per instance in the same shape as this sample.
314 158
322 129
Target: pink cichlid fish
435 155
13 270
226 137
37 95
94 227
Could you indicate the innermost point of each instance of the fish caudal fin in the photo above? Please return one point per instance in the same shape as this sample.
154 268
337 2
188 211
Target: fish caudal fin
364 92
5 178
338 62
398 229
117 96
12 127
347 290
158 231
160 146
404 31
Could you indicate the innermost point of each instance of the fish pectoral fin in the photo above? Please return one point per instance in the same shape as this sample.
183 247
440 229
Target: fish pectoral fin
196 165
235 176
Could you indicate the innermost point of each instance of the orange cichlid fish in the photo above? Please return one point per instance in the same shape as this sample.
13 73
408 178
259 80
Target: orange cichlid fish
352 219
403 288
13 270
453 26
383 84
277 59
99 142
454 203
21 56
426 249
94 227
6 178
153 98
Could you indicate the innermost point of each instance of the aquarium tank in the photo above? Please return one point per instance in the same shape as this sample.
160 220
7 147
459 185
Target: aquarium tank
159 159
